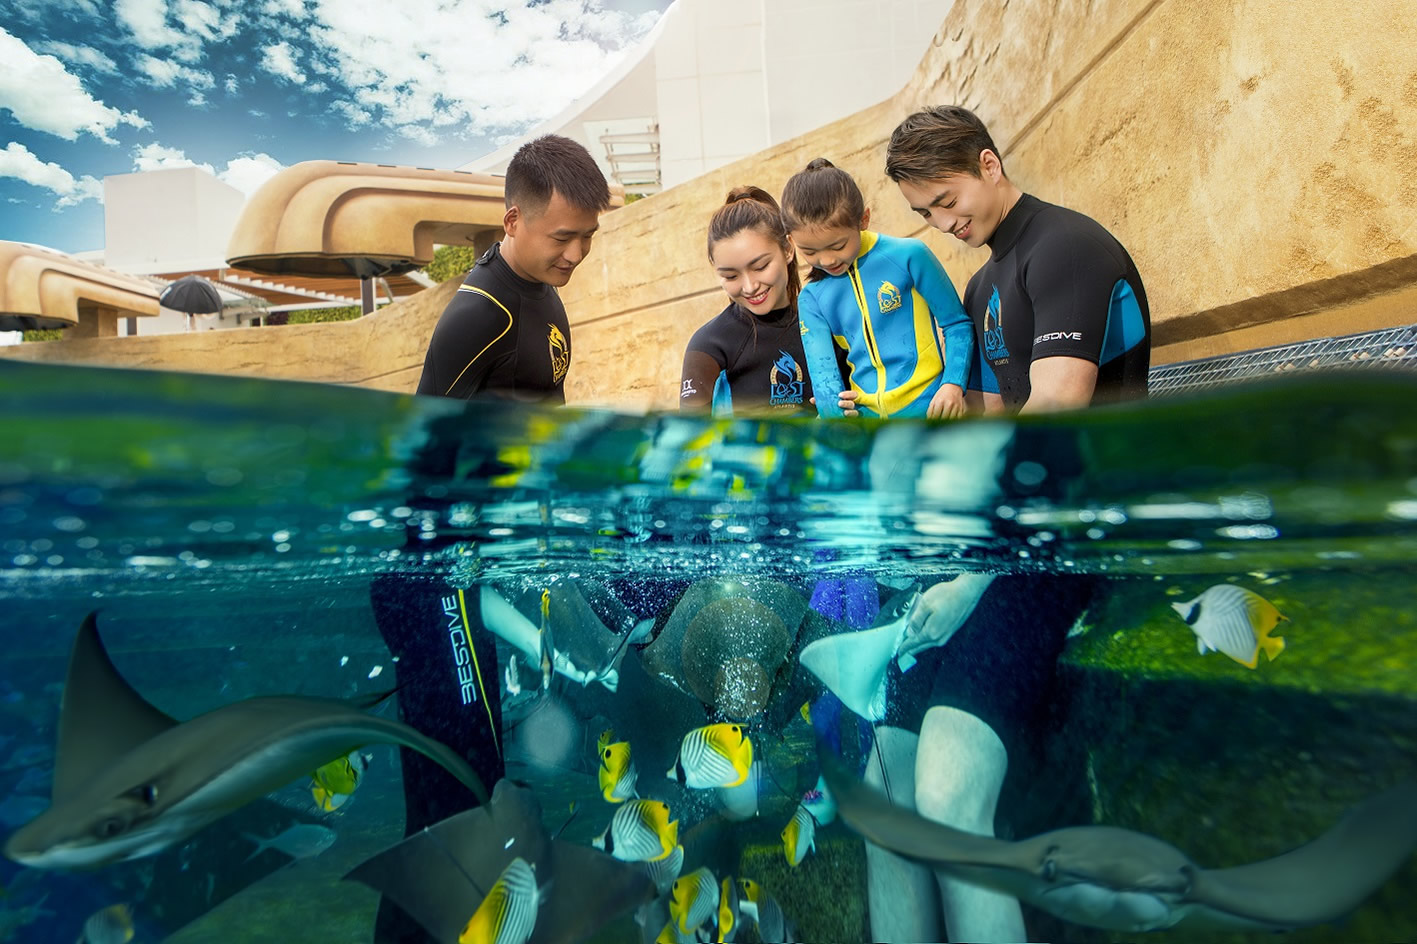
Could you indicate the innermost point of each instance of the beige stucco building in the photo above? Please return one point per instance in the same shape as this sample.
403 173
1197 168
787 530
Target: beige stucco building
1257 160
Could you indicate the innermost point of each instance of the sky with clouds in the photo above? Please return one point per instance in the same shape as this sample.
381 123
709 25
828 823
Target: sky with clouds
242 88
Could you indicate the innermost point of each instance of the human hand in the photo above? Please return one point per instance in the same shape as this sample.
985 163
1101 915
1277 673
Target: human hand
845 401
947 403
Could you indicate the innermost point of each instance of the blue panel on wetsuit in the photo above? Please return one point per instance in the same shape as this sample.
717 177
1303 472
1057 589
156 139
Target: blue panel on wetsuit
722 395
1125 327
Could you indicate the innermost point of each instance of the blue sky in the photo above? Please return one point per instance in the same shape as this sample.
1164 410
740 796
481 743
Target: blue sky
244 87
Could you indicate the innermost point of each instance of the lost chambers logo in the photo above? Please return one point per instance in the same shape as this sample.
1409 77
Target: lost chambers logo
560 353
786 381
995 350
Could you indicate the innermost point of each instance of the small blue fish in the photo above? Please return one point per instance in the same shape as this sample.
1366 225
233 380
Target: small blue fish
299 842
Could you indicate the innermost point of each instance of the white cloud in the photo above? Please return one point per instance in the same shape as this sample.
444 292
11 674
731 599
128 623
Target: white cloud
160 157
80 56
147 21
279 61
180 28
474 65
290 8
164 73
45 96
246 172
356 116
232 85
19 162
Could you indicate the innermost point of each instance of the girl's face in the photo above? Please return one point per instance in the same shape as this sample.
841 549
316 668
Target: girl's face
753 270
831 248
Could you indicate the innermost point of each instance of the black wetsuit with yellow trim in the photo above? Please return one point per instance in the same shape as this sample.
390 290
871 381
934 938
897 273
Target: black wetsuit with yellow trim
501 335
449 688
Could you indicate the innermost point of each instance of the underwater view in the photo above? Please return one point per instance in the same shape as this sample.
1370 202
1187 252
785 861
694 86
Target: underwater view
247 627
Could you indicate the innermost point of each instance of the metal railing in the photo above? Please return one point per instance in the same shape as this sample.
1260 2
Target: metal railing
1389 348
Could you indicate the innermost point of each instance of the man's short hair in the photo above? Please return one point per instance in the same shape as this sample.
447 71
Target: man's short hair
554 163
944 139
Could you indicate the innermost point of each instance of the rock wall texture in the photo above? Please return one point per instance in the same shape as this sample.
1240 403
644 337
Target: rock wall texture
1259 161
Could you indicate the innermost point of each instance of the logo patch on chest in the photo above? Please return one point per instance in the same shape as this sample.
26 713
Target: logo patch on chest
786 381
995 350
560 353
887 297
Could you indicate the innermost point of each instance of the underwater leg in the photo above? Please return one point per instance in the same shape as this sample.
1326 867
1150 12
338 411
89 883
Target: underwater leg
959 769
904 901
449 690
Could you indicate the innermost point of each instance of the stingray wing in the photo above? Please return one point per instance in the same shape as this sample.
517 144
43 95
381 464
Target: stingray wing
913 836
440 875
1320 881
590 889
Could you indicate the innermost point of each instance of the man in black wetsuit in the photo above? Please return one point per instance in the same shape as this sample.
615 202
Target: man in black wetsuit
504 334
1061 320
1059 310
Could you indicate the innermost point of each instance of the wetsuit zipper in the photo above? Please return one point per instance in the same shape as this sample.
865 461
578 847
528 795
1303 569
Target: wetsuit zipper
854 273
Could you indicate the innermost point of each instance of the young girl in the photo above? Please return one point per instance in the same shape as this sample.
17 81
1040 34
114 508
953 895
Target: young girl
880 299
749 357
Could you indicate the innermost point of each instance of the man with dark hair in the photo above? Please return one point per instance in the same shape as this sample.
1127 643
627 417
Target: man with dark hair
1061 319
505 332
1059 309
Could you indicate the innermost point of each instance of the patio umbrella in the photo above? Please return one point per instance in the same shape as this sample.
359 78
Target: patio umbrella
191 294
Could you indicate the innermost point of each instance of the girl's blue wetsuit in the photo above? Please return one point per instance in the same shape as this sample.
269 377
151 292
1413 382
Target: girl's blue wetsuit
883 312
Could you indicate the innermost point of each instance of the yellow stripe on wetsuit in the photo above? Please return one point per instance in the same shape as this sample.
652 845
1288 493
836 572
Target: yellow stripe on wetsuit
487 295
854 274
482 690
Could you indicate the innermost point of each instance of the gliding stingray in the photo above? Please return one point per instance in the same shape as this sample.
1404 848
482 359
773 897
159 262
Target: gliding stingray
441 874
130 781
1120 880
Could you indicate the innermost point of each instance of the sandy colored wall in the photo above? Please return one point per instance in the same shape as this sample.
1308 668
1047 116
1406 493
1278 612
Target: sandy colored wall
1258 159
383 350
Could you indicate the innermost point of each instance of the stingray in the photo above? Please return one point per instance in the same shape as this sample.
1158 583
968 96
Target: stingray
440 874
854 666
1116 879
130 781
584 649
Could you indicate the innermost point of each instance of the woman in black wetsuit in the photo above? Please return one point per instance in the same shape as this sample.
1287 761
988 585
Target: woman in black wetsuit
749 358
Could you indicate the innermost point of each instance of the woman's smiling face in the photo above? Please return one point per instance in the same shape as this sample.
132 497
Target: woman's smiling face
753 270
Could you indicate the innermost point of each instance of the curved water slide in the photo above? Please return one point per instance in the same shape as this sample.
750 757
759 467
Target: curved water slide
42 288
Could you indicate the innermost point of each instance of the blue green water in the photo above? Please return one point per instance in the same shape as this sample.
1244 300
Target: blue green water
227 530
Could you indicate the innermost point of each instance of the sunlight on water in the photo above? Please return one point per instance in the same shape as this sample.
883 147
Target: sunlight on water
227 532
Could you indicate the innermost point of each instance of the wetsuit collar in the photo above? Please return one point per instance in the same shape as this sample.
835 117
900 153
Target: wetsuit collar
868 242
1015 222
778 316
493 258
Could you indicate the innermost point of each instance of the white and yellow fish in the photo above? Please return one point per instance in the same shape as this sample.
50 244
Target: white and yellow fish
342 774
762 909
799 836
728 918
325 801
640 831
111 925
1235 621
548 644
664 872
716 755
616 774
508 914
693 900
